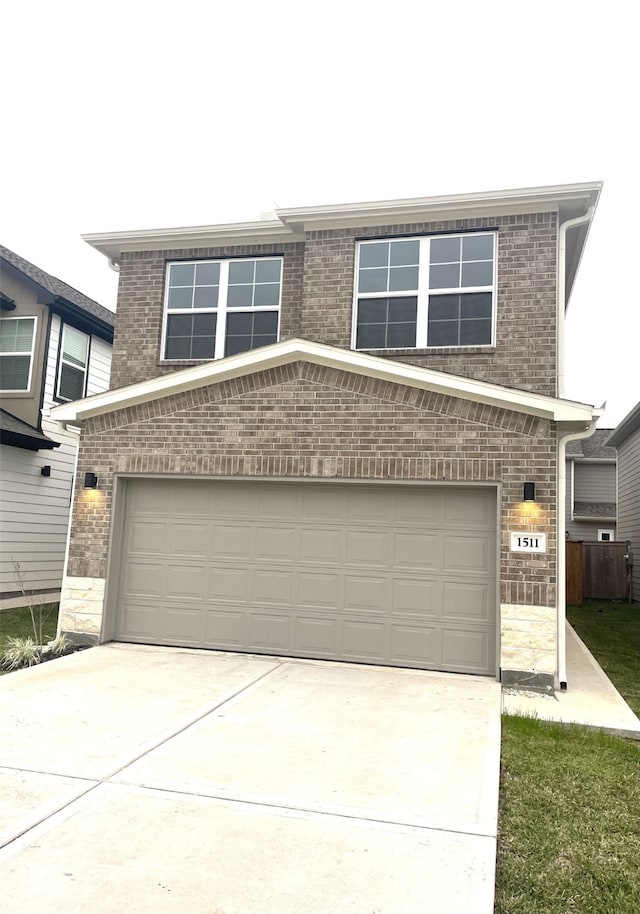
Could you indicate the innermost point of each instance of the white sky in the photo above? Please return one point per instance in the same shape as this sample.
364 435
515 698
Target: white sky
145 114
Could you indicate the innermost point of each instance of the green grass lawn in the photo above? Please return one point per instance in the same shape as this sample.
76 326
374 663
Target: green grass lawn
569 822
611 631
17 623
569 827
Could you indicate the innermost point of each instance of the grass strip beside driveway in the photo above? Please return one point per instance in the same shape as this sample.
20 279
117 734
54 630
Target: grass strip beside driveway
569 827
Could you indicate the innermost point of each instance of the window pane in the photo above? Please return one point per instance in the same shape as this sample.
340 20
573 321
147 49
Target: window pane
178 348
405 253
371 336
235 344
71 383
403 309
475 304
477 274
180 325
16 334
268 294
265 322
14 372
443 333
401 336
205 297
202 347
180 298
444 307
204 324
241 272
372 310
263 339
444 277
75 346
374 255
477 247
207 274
240 323
268 270
181 274
475 332
403 278
445 250
239 296
373 281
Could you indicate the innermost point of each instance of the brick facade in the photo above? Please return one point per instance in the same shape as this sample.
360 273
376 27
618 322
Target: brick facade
317 301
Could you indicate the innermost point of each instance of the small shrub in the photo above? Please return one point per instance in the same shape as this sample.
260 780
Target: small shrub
20 652
60 645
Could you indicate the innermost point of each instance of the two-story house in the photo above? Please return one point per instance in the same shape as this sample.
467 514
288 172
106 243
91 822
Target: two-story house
55 346
591 489
338 433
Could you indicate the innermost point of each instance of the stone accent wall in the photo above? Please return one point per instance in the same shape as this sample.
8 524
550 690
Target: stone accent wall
317 303
528 644
82 601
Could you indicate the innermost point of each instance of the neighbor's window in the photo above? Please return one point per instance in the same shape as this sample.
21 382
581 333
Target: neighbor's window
17 339
216 308
605 536
74 357
424 292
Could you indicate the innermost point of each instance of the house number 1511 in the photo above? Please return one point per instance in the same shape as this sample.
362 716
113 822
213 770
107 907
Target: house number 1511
528 542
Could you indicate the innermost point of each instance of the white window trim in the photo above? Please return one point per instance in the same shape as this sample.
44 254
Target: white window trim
221 310
27 317
422 293
62 361
608 530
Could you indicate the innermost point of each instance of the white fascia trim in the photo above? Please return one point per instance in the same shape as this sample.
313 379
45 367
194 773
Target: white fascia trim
112 244
385 212
564 411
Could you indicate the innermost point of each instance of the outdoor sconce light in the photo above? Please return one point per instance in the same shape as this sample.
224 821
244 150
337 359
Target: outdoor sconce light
529 491
45 471
90 481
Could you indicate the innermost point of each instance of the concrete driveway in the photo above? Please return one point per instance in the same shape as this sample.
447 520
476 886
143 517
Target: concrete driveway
152 780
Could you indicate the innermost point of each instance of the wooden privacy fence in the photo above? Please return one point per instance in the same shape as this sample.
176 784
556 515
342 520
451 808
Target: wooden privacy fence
595 571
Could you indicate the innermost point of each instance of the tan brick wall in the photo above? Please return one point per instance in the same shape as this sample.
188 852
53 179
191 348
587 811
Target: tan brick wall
302 421
318 285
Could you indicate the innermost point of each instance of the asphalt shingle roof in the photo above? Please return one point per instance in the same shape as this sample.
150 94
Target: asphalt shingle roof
594 509
13 430
57 287
593 447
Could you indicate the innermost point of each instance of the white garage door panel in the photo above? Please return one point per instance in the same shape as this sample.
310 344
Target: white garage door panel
380 574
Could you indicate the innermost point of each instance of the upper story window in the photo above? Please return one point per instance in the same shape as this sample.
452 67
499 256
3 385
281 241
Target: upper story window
17 341
425 292
216 308
74 359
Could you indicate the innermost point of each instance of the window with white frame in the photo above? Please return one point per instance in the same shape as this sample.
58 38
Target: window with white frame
415 293
606 536
74 360
17 341
215 308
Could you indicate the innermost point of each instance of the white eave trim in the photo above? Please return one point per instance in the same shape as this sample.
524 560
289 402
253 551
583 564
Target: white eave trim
571 200
294 350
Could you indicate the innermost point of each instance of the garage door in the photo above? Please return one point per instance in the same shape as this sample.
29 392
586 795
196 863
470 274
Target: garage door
385 574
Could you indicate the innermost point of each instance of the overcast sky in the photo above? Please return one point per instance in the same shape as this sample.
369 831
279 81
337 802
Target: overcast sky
127 115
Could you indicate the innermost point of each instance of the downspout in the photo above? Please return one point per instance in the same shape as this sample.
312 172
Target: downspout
561 547
562 444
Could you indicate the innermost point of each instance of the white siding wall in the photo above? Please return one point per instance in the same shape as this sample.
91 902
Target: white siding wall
629 501
595 482
587 530
35 509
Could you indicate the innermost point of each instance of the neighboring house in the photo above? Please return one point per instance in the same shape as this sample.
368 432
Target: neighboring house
591 488
626 440
326 434
55 346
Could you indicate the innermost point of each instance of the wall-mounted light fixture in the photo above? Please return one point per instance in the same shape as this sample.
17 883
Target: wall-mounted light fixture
529 491
90 481
45 471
